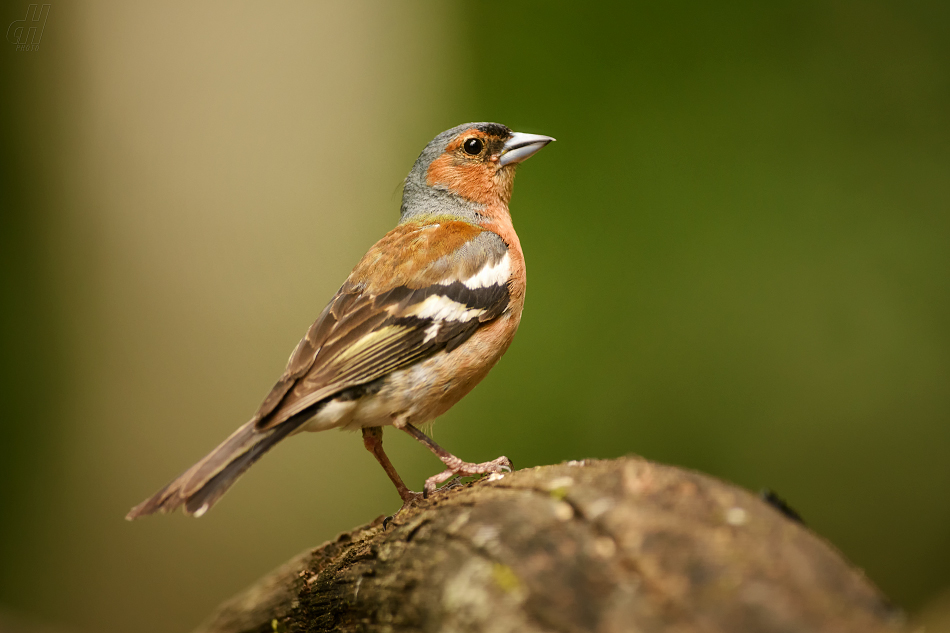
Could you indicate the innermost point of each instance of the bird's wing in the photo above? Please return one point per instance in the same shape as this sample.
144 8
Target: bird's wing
424 288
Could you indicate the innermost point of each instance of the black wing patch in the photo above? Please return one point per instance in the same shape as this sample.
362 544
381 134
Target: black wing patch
381 334
361 337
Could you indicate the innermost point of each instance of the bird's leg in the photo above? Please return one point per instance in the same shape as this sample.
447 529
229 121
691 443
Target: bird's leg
455 465
373 441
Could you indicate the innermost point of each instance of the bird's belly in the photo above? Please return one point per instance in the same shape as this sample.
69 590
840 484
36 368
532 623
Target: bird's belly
421 392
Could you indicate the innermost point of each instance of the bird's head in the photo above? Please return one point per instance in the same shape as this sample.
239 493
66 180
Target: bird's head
470 167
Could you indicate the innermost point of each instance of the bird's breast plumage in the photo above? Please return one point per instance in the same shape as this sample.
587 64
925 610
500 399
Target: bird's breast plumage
426 289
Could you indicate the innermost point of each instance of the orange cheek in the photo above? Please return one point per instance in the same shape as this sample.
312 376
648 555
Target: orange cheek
473 181
440 170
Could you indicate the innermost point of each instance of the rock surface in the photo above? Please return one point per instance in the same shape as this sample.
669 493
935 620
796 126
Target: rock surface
605 546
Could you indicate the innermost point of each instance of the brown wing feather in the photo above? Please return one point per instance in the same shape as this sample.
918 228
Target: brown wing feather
364 333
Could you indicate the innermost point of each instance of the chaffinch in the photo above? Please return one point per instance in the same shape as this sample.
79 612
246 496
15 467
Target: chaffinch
418 323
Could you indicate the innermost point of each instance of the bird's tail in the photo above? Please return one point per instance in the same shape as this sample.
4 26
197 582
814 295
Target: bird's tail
199 487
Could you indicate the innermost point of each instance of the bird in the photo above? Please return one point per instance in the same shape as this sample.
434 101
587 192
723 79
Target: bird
421 319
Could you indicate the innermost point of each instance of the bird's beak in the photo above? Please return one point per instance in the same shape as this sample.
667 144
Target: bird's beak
521 146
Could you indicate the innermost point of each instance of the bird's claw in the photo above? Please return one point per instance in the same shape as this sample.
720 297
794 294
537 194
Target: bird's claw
466 469
504 465
409 498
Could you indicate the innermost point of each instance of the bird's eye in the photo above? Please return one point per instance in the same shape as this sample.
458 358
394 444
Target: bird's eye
473 147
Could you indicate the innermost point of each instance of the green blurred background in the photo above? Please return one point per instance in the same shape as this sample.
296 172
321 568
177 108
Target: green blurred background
738 257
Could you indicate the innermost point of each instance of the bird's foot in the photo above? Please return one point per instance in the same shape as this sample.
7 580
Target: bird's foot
409 499
456 467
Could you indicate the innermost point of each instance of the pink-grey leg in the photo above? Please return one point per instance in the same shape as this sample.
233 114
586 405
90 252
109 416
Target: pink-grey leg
455 466
373 441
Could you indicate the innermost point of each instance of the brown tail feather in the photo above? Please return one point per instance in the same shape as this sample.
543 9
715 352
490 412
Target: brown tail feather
199 487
